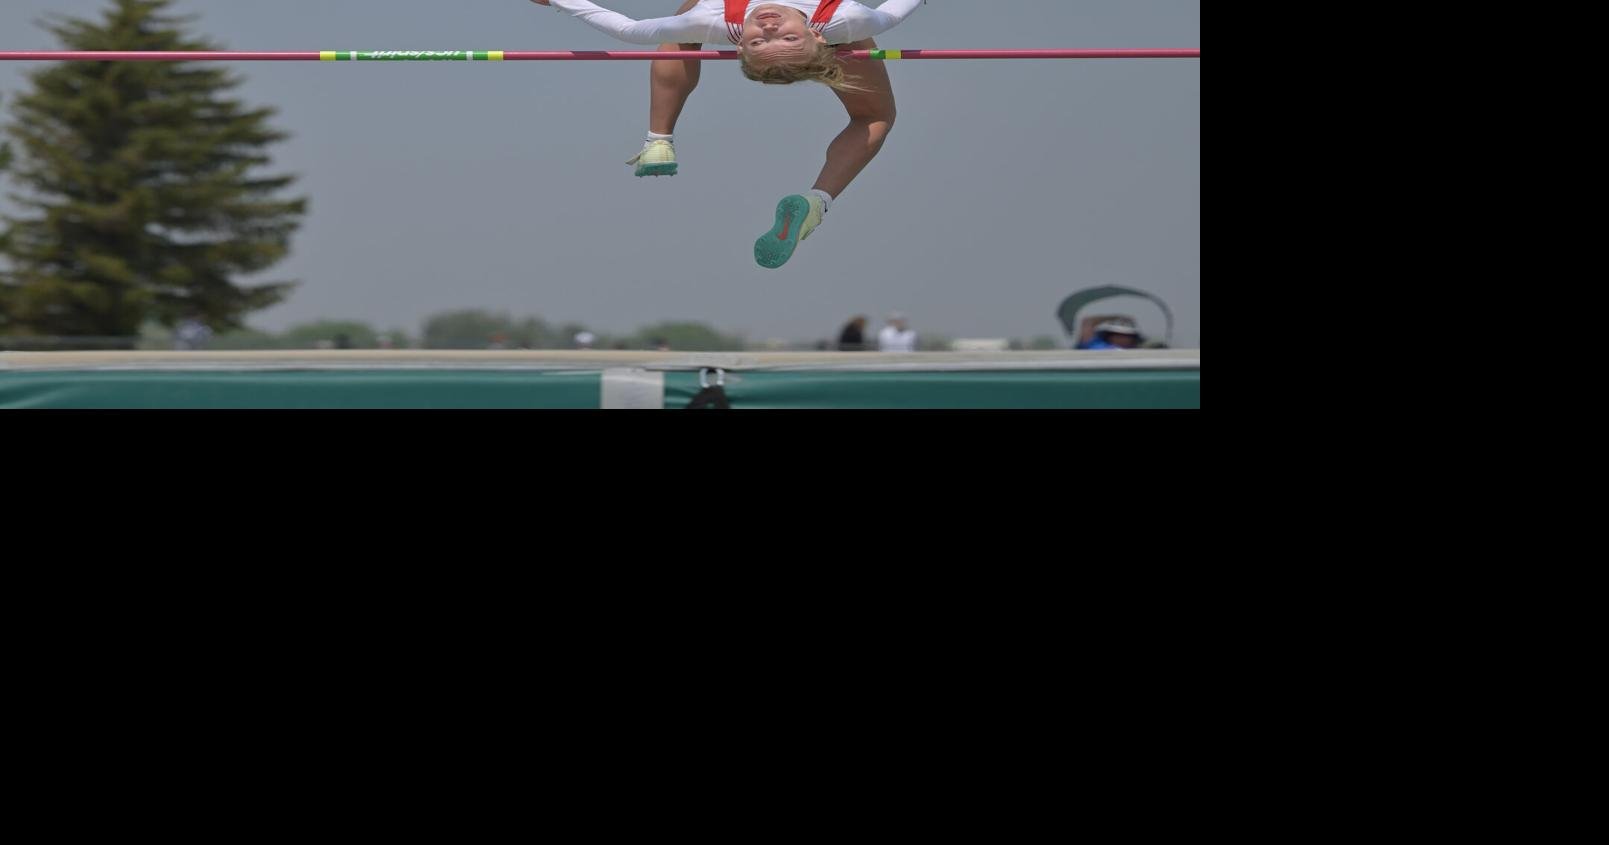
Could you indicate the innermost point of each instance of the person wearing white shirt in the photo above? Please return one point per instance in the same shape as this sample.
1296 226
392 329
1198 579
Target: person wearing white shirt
896 336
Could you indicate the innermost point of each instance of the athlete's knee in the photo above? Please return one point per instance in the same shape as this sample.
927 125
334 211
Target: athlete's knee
877 128
887 121
880 117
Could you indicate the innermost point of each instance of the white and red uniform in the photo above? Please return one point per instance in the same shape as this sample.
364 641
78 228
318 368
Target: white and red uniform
721 21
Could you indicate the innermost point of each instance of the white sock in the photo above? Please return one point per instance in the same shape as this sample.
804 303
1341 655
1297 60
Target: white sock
655 136
826 200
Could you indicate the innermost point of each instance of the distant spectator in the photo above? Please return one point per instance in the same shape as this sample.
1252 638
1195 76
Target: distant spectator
897 335
853 337
191 334
584 340
1114 334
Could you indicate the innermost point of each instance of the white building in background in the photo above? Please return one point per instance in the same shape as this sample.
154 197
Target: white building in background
972 344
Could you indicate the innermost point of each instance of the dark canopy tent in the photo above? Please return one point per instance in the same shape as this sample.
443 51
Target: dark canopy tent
1072 305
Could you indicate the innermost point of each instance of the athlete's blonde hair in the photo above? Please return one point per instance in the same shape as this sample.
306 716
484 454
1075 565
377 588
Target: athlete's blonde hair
822 65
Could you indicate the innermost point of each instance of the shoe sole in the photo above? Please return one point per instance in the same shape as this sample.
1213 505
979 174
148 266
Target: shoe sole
775 247
656 170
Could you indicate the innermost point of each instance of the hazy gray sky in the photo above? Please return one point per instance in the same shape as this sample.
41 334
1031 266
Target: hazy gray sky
1006 185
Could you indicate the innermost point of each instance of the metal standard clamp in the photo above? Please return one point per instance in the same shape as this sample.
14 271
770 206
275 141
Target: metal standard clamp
711 395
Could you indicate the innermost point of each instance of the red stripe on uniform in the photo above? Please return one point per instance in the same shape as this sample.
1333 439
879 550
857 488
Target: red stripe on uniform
824 13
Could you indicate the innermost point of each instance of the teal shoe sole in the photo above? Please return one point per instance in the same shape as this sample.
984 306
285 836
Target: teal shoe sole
656 169
775 247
